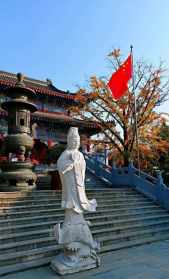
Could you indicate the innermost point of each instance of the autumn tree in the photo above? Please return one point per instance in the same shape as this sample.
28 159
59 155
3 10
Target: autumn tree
163 162
152 144
116 118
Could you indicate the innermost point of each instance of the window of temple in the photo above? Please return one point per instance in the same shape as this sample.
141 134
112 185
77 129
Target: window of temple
22 122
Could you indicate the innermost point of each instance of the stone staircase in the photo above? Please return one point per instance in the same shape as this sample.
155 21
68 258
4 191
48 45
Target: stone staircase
44 181
124 218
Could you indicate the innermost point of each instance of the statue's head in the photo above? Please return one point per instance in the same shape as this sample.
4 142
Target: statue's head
73 138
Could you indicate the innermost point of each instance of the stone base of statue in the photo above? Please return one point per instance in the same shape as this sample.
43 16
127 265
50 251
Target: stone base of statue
71 262
79 248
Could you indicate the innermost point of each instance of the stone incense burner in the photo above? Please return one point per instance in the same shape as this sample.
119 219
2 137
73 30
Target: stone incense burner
17 172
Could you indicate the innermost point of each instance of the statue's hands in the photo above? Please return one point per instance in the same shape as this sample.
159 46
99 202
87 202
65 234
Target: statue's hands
68 168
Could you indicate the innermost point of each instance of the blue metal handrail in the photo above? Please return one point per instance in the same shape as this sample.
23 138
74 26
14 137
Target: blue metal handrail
151 187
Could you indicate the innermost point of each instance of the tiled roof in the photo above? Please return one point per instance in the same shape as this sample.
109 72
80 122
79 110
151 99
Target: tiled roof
41 87
58 118
46 88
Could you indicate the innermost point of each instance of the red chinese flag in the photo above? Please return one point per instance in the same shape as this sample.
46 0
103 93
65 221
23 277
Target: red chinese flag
118 83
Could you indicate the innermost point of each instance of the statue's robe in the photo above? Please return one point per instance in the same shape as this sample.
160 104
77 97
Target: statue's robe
72 166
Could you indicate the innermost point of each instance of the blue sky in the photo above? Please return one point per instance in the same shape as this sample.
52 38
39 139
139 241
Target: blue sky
68 40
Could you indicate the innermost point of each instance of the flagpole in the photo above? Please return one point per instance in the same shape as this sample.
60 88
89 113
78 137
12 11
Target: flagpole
135 111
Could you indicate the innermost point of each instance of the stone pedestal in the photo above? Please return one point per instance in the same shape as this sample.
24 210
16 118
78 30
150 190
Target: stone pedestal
79 248
62 264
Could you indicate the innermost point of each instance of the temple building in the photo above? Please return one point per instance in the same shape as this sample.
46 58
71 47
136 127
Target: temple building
51 121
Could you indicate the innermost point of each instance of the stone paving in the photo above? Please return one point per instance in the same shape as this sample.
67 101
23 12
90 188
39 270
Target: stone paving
144 262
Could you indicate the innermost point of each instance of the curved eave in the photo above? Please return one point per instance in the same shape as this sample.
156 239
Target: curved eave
39 90
58 118
62 118
20 104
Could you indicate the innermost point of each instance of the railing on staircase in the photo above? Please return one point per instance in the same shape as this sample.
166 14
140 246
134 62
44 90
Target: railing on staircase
98 168
152 187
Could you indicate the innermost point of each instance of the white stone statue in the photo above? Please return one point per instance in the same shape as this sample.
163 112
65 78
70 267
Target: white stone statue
79 248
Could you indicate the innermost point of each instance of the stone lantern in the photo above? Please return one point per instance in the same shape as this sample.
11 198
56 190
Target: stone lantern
17 172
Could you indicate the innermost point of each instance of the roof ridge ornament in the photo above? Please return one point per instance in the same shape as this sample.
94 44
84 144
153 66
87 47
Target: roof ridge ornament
20 78
49 81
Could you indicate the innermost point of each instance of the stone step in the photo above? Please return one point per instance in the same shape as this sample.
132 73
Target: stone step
54 192
59 217
130 223
132 243
99 228
58 202
113 198
100 212
124 210
131 220
132 236
36 194
8 259
53 205
44 255
124 218
55 195
92 190
105 215
44 241
9 227
119 229
7 214
24 265
26 255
